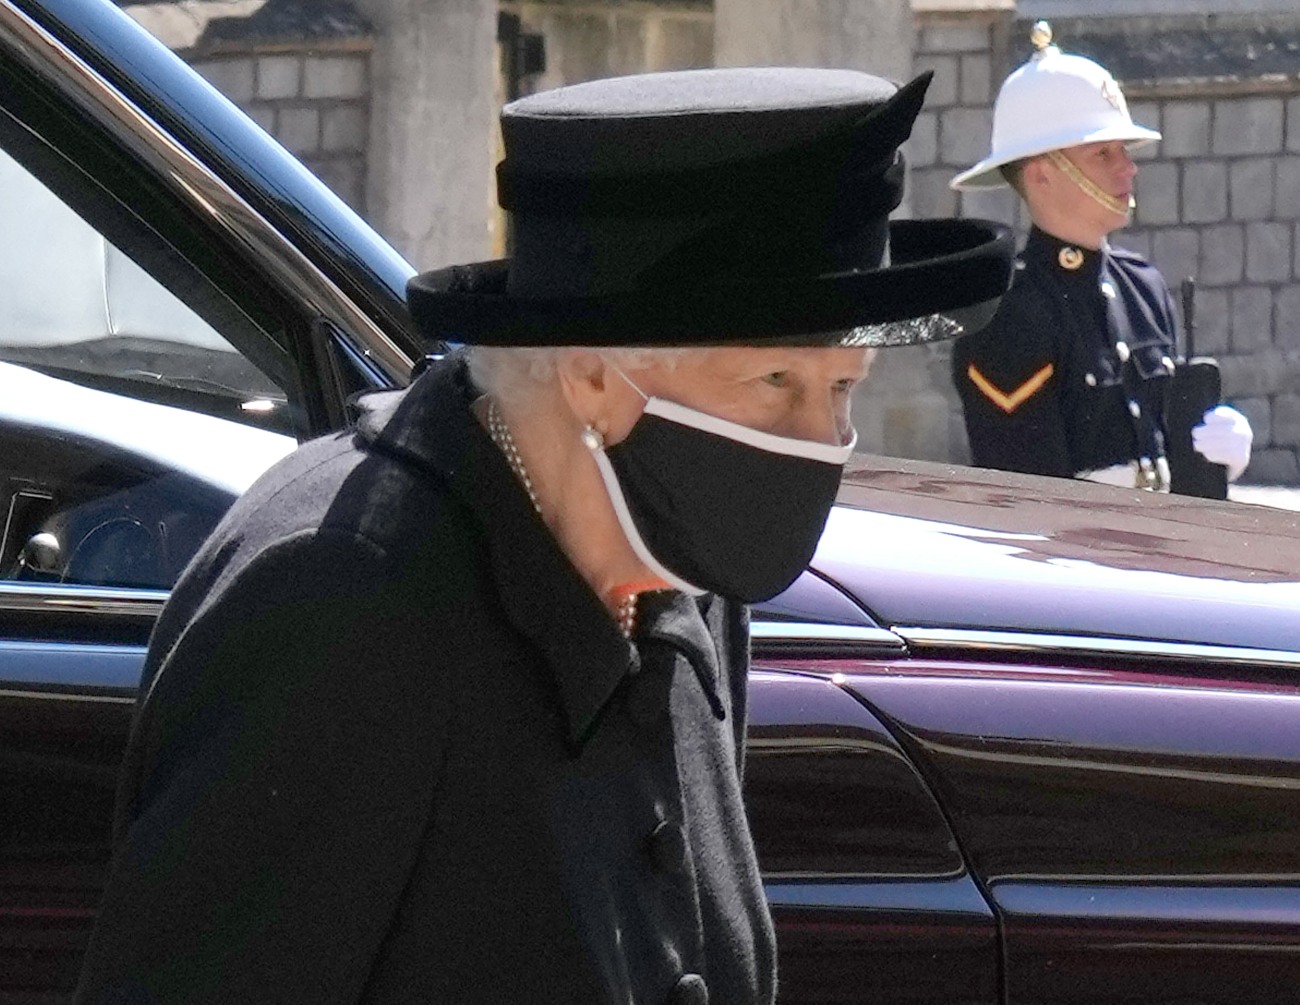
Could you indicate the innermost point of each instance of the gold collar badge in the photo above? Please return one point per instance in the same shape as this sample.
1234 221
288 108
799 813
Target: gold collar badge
1070 258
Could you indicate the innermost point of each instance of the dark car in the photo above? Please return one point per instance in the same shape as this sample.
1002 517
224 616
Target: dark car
1013 739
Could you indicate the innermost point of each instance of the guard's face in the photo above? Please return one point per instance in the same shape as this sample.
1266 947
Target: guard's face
1108 166
800 392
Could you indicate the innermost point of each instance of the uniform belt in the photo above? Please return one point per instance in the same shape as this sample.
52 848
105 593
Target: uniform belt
1143 474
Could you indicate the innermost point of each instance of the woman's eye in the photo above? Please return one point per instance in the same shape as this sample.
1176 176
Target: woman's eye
777 378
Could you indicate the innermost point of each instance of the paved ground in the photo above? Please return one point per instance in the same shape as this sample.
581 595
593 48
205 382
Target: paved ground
1281 496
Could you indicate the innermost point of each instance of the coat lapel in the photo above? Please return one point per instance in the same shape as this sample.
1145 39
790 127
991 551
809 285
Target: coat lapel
430 426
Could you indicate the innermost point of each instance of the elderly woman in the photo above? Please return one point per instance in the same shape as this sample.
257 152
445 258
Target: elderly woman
451 707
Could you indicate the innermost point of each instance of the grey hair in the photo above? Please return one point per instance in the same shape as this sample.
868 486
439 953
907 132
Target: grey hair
518 373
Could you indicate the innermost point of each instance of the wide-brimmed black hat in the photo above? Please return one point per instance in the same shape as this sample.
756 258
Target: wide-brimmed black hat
743 206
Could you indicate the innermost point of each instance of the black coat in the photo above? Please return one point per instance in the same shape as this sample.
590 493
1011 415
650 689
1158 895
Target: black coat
1072 374
395 750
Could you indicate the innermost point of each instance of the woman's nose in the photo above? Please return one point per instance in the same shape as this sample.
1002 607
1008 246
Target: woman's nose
825 421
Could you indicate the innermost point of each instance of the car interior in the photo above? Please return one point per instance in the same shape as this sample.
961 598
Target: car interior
128 422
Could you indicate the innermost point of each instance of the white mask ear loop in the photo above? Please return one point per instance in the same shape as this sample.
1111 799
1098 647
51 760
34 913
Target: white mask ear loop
595 442
630 383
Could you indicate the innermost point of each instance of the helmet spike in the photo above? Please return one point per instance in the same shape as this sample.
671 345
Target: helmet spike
1041 36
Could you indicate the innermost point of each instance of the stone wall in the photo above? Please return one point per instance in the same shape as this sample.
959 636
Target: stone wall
392 103
312 95
910 408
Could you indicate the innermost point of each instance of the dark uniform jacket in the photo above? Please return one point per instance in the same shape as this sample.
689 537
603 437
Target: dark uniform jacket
1072 374
394 749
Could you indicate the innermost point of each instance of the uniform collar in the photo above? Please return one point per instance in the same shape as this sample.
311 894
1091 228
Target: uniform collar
430 426
1064 260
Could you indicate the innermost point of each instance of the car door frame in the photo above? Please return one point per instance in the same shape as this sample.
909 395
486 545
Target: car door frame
70 655
869 888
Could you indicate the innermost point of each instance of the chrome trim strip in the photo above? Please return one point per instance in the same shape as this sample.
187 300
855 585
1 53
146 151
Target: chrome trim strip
42 53
98 600
804 632
1084 645
40 666
954 895
1236 902
98 699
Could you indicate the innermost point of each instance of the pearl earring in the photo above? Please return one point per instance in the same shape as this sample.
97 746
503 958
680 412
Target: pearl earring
592 439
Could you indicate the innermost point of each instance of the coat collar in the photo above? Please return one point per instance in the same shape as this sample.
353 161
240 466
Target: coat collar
671 619
430 426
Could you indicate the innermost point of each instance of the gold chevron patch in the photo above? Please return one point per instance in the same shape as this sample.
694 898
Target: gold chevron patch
1010 402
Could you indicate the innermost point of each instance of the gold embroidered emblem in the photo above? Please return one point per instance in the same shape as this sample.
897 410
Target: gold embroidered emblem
1010 402
1070 258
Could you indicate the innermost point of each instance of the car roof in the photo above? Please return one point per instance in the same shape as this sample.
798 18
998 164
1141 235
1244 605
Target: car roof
925 544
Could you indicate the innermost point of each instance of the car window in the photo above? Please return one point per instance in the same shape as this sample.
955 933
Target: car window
129 420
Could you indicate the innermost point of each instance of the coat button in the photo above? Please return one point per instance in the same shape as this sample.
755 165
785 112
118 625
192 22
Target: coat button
690 990
667 847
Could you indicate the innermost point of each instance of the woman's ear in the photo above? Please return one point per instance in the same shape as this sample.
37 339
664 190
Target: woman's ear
597 393
584 381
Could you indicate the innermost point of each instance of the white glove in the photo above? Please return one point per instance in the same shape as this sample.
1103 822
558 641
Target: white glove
1224 437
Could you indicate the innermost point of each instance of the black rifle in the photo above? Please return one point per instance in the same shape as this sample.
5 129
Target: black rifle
1196 387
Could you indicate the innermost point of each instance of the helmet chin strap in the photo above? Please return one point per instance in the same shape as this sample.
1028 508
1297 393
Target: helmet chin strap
1120 207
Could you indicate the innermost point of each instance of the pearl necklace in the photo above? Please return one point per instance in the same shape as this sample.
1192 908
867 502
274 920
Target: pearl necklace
500 434
625 614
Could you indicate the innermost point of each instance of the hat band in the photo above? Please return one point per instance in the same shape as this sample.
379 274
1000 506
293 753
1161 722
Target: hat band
564 256
770 181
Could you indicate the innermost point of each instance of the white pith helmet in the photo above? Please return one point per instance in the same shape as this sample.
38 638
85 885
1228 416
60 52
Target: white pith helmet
1053 102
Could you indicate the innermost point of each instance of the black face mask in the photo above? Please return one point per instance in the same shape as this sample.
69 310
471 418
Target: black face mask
716 507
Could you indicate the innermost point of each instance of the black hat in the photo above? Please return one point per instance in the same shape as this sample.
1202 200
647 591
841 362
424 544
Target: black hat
733 206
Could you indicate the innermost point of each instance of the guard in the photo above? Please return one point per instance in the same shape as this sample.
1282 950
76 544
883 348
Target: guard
1073 376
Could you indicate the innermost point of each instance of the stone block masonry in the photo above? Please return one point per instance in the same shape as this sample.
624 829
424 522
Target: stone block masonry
968 51
312 96
1235 152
